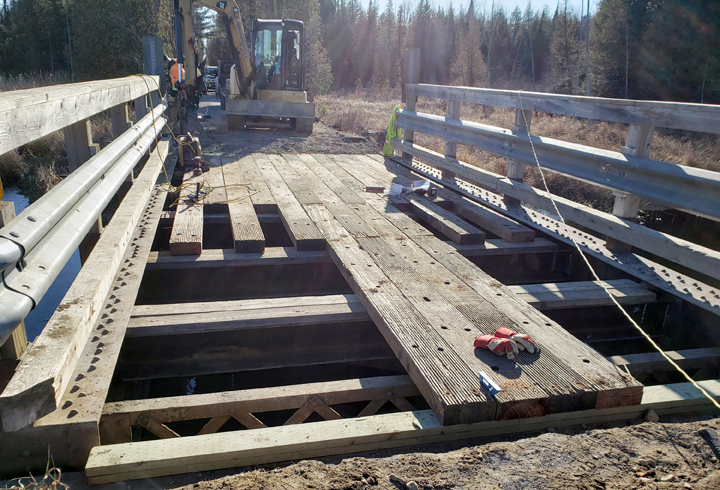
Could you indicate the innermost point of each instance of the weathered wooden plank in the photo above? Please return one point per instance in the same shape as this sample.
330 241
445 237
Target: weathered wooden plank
654 361
441 375
502 226
677 115
187 231
413 274
682 252
598 376
492 221
216 193
260 194
236 315
644 269
211 405
302 231
584 293
247 233
446 222
26 115
498 246
45 372
272 256
155 458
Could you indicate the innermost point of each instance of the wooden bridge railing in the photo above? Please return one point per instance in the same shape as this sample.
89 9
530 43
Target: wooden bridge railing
35 246
629 173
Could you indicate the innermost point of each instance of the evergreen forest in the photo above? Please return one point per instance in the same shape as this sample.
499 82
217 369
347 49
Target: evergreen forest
663 50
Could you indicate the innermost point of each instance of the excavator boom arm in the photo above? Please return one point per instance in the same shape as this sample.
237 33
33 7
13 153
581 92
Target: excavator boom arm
230 13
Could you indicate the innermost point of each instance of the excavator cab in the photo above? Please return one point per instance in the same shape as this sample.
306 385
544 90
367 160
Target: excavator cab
277 47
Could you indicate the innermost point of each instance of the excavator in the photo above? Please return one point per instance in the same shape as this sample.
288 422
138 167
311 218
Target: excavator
266 83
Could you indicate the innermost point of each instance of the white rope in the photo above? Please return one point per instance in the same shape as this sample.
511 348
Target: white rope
602 283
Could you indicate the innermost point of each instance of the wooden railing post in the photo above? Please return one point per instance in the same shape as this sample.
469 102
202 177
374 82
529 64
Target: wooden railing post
411 74
451 148
16 344
79 143
141 107
119 119
516 169
626 205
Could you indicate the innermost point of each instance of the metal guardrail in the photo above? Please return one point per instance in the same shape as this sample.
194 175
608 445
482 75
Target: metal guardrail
36 245
676 186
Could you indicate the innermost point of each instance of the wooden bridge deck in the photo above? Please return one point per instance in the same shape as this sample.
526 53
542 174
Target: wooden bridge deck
427 300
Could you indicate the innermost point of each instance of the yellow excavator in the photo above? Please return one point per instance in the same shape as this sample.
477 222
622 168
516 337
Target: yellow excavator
266 83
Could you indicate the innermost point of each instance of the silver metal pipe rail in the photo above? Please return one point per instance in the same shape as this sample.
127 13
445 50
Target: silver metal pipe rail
680 187
676 115
42 238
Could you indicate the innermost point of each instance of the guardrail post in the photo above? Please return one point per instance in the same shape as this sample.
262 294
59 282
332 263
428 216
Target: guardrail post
411 74
79 143
16 344
626 205
516 169
451 148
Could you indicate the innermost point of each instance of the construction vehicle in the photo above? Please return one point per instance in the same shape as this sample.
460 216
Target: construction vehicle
266 84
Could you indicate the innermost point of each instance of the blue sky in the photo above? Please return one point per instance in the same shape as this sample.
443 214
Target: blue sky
480 5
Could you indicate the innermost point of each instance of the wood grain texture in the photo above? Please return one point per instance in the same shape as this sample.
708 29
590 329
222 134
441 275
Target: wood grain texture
45 373
167 457
187 231
26 115
584 293
247 233
302 231
459 231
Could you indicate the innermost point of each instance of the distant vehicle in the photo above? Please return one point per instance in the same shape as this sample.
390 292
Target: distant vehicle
210 78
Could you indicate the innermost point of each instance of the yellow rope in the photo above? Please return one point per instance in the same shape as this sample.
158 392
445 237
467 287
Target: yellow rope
602 283
168 187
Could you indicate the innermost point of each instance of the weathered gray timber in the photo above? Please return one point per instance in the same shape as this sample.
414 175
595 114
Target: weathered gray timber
187 231
676 115
26 115
71 430
247 233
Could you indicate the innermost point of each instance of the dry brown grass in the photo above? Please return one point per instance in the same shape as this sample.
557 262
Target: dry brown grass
20 82
360 113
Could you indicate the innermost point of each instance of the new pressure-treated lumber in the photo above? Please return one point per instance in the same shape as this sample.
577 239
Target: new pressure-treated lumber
218 316
676 115
45 372
118 417
187 231
190 454
584 293
247 233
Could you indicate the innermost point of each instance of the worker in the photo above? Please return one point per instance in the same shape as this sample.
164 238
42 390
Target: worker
392 132
176 74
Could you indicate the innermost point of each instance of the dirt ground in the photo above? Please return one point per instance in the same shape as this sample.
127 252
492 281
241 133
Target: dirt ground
217 140
665 455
